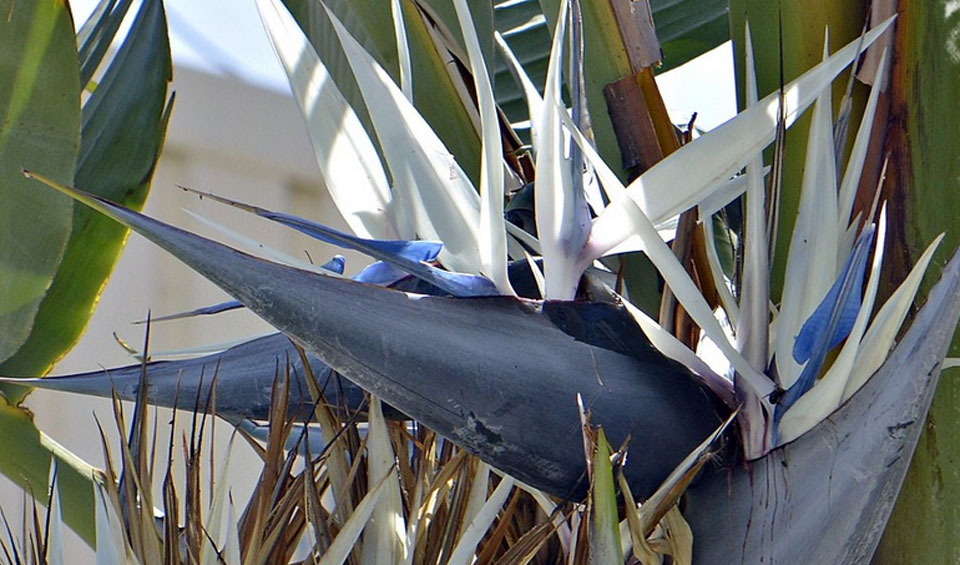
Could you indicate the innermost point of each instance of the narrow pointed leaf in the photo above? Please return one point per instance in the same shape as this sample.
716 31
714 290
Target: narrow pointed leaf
886 324
303 441
97 35
348 159
343 544
245 375
408 256
492 232
718 154
827 394
475 531
812 262
563 221
500 406
110 541
205 311
430 187
384 536
753 325
604 521
687 293
54 540
403 49
851 175
669 345
530 93
218 523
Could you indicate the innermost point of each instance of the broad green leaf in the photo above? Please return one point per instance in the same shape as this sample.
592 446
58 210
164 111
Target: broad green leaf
28 455
122 131
40 129
482 15
926 157
96 36
689 28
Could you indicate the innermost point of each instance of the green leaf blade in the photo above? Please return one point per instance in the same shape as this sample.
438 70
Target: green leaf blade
122 131
40 113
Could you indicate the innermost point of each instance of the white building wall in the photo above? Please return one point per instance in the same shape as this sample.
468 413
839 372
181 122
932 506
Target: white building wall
225 137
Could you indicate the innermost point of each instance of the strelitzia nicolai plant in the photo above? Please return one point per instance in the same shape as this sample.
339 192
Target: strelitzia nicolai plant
429 191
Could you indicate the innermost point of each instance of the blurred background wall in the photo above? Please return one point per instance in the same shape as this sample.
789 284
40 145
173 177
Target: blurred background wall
226 136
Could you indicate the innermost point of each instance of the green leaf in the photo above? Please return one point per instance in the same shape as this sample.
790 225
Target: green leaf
28 454
123 126
689 28
40 117
604 521
685 28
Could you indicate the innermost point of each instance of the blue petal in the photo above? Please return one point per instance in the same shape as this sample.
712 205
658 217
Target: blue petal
407 256
401 249
830 323
819 321
380 274
335 265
